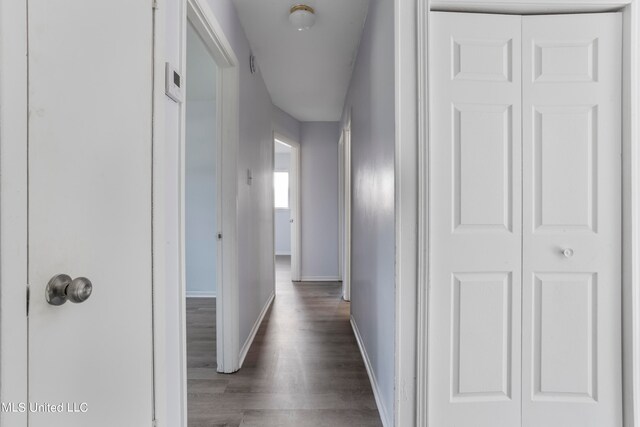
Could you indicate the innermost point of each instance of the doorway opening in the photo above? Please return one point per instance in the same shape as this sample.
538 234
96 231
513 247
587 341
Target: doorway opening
286 208
202 203
282 219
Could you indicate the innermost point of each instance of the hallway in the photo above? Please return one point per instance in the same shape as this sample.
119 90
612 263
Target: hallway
303 369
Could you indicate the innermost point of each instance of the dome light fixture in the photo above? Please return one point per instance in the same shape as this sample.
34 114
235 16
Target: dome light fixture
302 17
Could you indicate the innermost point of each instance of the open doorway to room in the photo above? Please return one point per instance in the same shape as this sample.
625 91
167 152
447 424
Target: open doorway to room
282 220
286 224
201 210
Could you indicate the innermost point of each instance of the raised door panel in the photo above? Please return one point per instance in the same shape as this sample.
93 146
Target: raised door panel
564 337
565 168
482 190
475 224
482 335
571 339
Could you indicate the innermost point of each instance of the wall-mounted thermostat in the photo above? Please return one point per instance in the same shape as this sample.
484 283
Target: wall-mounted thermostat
173 83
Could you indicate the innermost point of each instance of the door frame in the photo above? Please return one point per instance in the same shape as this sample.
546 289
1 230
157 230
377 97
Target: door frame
294 189
344 208
630 180
201 17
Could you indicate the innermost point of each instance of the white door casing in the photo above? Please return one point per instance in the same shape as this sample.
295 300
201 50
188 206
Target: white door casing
90 156
571 339
294 201
572 131
475 221
346 210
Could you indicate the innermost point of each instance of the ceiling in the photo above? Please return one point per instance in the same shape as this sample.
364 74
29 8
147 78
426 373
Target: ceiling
201 69
307 72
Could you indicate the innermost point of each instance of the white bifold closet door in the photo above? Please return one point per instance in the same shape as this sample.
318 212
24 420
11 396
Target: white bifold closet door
525 232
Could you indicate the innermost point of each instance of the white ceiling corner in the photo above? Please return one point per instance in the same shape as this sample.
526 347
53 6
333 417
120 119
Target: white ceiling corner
307 72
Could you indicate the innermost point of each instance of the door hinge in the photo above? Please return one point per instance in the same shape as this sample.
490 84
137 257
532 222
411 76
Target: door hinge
154 423
219 236
28 298
154 4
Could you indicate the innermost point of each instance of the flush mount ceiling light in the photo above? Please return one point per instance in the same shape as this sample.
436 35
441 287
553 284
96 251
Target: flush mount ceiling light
302 16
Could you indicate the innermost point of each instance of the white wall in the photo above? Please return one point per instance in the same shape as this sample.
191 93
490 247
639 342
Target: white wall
282 163
319 200
257 120
371 101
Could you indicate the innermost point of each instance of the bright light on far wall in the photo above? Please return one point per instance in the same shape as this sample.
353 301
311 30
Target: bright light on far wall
281 190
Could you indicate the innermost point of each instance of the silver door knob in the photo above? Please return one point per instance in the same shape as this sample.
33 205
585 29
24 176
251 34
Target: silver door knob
568 252
61 288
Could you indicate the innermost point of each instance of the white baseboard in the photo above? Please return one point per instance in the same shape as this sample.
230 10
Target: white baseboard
319 279
200 294
247 344
386 422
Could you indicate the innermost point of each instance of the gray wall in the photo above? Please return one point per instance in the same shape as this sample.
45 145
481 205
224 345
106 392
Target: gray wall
282 162
200 174
371 101
319 200
258 119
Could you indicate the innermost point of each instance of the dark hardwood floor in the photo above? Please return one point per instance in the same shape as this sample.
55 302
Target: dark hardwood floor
303 369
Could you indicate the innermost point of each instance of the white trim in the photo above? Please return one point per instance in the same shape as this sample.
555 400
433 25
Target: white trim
201 294
341 205
283 253
294 187
319 279
630 174
254 330
345 252
406 211
382 410
13 208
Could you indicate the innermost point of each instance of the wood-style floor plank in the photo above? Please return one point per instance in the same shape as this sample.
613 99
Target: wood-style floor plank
304 368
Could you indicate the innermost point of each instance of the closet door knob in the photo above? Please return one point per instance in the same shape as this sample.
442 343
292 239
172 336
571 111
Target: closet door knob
62 288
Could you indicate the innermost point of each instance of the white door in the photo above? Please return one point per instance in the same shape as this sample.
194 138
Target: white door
475 221
525 163
572 197
90 110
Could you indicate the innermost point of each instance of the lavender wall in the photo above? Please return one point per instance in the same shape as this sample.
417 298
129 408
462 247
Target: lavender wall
371 103
319 200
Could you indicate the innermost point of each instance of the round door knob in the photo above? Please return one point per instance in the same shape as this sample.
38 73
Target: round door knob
79 290
61 288
568 252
